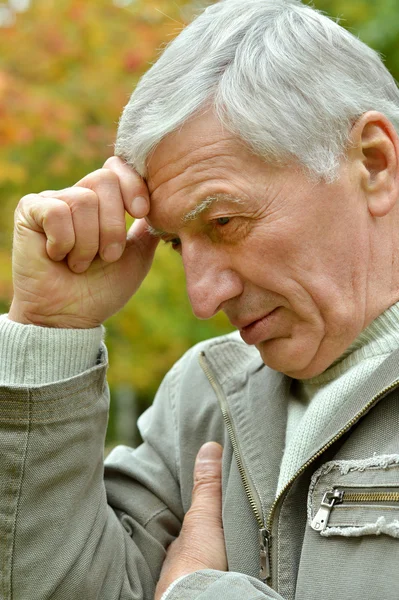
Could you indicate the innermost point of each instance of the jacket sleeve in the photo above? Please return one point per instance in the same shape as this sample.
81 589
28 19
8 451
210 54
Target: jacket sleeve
70 528
65 532
208 585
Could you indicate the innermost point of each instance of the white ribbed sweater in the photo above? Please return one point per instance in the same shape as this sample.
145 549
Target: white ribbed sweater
314 401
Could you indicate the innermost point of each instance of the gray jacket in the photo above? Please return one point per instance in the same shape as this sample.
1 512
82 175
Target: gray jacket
65 534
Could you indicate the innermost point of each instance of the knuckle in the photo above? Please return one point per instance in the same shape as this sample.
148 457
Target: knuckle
127 174
109 177
207 477
139 184
26 198
87 199
48 193
113 161
86 252
100 177
196 515
114 230
205 487
24 202
63 245
56 211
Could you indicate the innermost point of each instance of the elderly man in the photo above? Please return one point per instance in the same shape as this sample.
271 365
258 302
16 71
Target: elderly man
265 150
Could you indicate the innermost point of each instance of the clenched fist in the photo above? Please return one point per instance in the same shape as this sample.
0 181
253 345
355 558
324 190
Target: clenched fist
73 263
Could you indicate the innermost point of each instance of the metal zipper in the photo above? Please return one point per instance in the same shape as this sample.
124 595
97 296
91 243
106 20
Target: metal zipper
252 495
330 498
370 497
348 496
348 426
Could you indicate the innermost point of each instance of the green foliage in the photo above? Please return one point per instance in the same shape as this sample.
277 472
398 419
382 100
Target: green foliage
67 69
375 22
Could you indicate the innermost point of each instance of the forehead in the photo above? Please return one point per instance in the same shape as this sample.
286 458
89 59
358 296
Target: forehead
201 160
202 138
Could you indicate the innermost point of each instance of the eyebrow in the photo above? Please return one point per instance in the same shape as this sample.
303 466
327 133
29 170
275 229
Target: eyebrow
197 211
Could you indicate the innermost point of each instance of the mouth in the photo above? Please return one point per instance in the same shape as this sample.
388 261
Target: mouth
259 330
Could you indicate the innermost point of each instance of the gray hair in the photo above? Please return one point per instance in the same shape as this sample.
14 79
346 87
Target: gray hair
281 76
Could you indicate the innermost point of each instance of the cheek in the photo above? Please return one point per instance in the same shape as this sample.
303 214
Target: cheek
275 262
295 282
310 277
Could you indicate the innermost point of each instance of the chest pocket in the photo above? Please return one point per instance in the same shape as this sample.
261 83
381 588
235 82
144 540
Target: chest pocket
356 498
351 542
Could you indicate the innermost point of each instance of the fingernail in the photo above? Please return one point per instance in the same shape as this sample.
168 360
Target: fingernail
210 451
139 206
113 252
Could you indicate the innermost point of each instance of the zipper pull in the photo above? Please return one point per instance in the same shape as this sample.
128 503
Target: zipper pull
330 498
265 571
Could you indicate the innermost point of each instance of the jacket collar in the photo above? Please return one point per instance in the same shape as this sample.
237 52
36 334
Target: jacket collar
257 398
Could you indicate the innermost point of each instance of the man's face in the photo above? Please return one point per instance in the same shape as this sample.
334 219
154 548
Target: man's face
284 257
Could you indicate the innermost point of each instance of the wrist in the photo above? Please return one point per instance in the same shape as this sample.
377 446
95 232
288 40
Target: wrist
23 316
18 316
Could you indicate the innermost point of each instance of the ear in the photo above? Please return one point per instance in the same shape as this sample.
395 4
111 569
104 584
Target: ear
374 154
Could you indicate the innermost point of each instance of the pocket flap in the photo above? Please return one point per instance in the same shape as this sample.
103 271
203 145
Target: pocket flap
356 497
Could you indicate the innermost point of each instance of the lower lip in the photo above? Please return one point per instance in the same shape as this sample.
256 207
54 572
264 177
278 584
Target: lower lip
260 330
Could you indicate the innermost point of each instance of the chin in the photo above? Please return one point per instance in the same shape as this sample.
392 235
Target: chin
286 357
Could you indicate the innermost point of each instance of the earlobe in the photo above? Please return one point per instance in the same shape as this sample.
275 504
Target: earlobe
381 205
375 153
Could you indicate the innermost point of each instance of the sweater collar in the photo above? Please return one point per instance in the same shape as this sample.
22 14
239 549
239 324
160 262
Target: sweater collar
380 338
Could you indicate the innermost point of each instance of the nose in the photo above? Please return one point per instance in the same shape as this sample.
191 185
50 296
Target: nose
210 279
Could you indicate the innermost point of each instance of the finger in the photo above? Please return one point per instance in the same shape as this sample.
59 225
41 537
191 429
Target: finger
83 206
207 490
201 543
133 188
105 183
144 242
139 232
52 217
202 537
140 250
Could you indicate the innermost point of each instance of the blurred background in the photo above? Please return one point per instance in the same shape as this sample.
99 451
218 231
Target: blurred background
67 69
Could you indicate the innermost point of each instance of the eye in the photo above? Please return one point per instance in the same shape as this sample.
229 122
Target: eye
223 220
175 243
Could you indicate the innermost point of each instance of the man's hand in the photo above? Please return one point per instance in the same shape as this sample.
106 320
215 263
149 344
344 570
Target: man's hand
73 265
201 542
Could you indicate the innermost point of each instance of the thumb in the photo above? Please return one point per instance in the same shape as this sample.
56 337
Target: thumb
201 543
140 235
207 490
140 249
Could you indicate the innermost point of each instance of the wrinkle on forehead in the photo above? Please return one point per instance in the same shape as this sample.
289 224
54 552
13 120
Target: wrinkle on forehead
189 167
200 138
166 165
